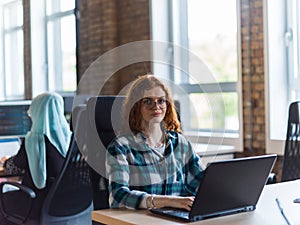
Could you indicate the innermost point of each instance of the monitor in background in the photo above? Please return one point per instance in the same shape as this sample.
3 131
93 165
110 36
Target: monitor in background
14 120
68 105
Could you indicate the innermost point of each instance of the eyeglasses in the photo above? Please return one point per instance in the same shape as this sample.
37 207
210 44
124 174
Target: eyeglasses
149 103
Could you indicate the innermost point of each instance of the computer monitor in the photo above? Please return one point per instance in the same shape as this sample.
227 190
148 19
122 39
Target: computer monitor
14 120
68 105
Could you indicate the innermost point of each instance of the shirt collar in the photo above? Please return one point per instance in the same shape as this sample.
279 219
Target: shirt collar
140 137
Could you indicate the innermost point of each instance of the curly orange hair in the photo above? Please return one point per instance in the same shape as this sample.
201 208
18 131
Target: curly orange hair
132 105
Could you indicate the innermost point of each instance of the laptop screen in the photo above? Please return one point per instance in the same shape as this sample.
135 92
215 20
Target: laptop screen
232 184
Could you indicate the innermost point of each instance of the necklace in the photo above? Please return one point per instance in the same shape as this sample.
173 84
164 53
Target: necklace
159 144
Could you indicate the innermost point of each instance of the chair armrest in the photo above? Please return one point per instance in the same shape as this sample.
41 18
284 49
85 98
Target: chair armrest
14 216
21 187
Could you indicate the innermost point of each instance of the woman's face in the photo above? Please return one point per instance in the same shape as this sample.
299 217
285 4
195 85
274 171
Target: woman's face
154 105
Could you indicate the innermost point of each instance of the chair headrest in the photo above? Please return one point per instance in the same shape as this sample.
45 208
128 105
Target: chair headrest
106 111
294 112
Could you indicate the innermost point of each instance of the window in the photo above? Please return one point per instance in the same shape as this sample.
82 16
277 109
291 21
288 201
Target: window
53 41
53 47
211 104
292 41
282 30
61 45
11 48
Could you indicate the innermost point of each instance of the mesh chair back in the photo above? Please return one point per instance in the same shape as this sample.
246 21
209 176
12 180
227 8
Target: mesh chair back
71 192
291 161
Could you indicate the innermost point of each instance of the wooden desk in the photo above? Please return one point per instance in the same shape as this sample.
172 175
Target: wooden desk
266 213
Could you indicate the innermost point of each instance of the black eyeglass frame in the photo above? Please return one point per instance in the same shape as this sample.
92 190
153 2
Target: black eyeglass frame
149 102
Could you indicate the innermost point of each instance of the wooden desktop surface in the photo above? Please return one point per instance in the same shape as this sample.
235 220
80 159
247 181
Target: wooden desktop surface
266 213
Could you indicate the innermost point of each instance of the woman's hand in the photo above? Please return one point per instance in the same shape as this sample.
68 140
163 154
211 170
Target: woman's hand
160 201
3 159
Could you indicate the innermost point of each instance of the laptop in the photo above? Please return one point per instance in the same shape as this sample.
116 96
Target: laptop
227 187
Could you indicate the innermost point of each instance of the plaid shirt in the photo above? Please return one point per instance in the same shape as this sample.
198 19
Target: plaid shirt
134 169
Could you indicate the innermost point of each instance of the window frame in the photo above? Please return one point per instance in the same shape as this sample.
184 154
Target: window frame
161 12
54 17
13 30
279 69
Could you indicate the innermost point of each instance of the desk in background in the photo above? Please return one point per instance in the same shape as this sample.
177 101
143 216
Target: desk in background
212 152
266 213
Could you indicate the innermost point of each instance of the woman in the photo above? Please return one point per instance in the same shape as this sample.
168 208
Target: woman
42 152
151 164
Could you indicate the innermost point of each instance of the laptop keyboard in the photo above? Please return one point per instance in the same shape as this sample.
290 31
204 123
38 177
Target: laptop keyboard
174 211
179 213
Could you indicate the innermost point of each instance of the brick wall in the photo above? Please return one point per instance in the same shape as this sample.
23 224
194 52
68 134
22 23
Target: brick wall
27 49
253 75
103 26
253 78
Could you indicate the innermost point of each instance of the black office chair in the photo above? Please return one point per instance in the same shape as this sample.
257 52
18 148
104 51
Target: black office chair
104 119
291 160
69 200
104 122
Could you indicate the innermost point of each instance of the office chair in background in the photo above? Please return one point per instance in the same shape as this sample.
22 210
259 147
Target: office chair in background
104 119
291 159
69 200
